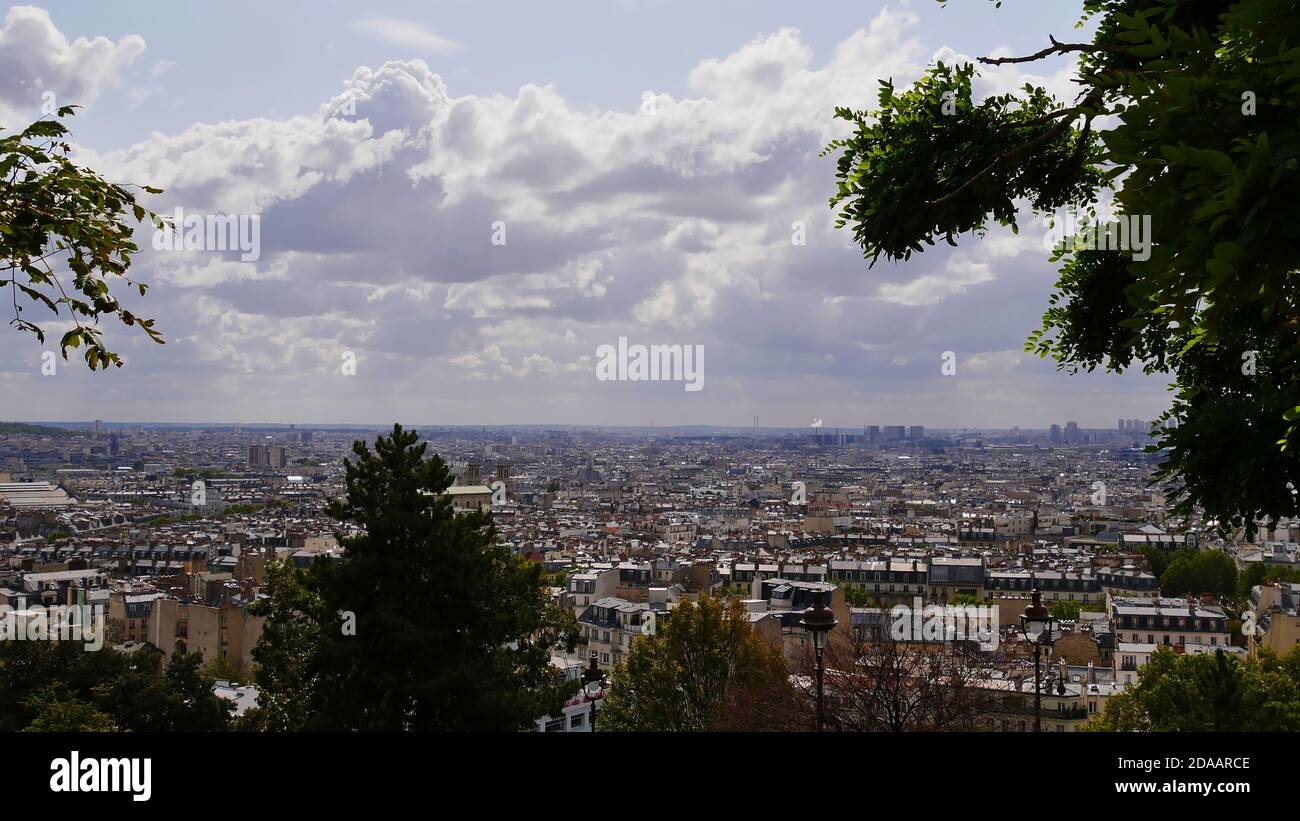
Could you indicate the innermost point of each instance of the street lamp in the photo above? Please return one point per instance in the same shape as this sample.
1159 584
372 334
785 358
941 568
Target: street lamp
1036 623
819 622
594 683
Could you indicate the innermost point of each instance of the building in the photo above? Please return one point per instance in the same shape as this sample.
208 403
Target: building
1169 622
949 577
470 497
222 632
1277 616
610 625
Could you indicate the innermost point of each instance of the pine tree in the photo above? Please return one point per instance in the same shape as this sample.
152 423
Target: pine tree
427 622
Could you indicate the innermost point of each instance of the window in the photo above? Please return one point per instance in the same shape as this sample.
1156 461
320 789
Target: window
577 720
555 725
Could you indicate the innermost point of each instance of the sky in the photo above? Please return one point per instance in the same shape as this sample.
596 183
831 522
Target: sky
457 204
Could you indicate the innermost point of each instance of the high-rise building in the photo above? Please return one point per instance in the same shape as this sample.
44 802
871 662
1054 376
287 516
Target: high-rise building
917 432
1121 426
1054 434
894 433
1072 432
872 433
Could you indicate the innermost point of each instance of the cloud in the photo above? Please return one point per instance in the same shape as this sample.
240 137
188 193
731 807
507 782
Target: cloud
406 34
36 58
472 252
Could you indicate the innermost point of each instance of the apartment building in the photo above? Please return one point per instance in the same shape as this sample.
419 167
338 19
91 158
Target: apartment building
225 631
1055 585
1169 622
1277 616
951 576
610 625
891 580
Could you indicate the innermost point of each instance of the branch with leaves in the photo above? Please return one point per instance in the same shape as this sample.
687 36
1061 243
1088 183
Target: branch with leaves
52 208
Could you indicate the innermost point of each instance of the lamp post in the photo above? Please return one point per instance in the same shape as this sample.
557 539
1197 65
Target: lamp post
818 620
1036 622
594 683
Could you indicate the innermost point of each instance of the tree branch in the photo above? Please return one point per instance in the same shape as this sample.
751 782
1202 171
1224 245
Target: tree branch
1056 47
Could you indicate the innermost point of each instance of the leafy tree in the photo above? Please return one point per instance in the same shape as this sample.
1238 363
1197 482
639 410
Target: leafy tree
1065 610
1194 572
857 596
706 669
49 206
1215 693
1259 573
1186 114
60 713
452 630
47 685
1156 558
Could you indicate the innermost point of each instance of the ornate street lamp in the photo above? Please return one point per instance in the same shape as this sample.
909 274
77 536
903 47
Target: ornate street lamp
819 621
593 685
1036 623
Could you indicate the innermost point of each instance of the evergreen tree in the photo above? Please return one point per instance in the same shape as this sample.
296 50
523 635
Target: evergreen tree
427 622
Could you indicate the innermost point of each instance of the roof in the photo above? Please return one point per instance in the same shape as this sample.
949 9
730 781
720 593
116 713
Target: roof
34 494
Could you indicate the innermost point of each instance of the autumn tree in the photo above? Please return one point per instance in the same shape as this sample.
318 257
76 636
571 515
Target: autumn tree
706 669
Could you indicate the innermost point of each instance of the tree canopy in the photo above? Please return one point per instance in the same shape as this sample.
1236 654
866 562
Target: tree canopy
1196 572
427 622
1208 693
58 686
51 208
1187 115
706 669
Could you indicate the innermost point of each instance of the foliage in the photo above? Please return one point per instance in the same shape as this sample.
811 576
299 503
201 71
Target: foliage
1065 610
47 685
1197 108
452 630
1156 558
1260 573
857 596
1195 572
1203 692
50 206
706 669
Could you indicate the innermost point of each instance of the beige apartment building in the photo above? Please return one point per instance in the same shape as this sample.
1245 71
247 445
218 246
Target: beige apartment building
225 632
1277 617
